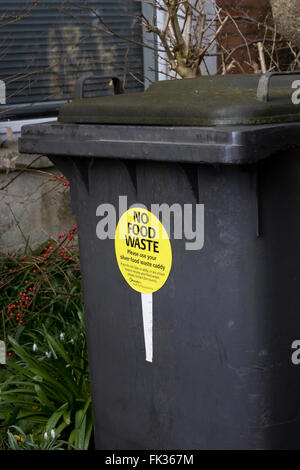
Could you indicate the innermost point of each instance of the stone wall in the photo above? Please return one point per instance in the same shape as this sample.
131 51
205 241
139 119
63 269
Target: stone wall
33 207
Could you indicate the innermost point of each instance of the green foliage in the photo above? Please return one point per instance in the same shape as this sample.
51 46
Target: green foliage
50 385
45 386
18 440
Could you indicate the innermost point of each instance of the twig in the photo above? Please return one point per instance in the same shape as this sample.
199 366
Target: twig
20 173
261 57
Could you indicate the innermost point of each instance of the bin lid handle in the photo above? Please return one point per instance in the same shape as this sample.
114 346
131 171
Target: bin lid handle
263 88
79 85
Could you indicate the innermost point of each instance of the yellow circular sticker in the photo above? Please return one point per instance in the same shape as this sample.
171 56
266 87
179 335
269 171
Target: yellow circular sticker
143 250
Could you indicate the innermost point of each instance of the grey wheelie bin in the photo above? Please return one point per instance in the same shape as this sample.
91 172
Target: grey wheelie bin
193 323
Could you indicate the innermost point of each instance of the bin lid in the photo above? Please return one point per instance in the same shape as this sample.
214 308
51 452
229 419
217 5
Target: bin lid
206 101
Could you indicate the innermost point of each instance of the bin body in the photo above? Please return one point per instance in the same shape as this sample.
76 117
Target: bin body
222 375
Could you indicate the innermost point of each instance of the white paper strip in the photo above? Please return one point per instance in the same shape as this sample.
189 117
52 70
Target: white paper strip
147 307
2 353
